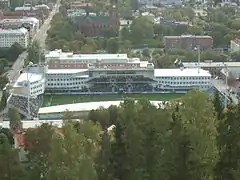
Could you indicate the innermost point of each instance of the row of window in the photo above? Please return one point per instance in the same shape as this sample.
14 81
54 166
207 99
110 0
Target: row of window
75 79
185 82
185 78
65 84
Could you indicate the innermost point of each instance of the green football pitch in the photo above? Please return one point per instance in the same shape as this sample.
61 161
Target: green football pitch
52 100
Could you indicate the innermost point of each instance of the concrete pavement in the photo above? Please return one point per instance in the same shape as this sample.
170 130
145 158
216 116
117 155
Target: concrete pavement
41 36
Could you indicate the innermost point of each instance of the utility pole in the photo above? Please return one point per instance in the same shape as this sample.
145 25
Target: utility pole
28 93
199 58
226 81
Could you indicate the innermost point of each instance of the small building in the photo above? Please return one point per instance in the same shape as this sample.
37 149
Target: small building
80 5
189 42
235 45
20 146
9 36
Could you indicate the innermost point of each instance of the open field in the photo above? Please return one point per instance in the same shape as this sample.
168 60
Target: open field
52 100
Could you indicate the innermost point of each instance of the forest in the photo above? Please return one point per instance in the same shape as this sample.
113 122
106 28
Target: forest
194 139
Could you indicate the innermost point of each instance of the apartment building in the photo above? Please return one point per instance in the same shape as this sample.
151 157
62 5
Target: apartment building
9 36
189 42
235 45
30 23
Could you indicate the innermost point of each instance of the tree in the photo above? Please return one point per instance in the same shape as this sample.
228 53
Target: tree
229 145
8 134
192 152
3 81
73 155
15 119
112 45
9 161
141 28
14 51
38 144
34 52
218 105
146 53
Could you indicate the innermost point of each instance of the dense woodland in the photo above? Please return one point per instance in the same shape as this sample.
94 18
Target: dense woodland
191 140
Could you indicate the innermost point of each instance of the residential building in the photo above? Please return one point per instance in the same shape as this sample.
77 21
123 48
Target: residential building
9 36
20 146
235 45
96 25
80 5
30 23
190 42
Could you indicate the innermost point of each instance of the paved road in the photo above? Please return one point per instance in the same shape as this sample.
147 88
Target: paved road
221 86
41 35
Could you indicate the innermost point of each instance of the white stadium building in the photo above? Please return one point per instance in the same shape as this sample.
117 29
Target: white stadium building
67 73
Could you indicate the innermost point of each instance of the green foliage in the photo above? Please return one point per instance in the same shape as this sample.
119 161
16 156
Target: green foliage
38 143
34 53
112 45
136 140
9 162
229 145
15 119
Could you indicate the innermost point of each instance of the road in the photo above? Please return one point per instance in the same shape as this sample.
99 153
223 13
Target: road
221 86
41 36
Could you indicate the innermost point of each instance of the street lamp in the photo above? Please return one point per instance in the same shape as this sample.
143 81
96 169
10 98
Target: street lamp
226 81
28 90
198 49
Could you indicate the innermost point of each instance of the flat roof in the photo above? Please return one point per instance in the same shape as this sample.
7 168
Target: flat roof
211 64
33 123
60 54
180 72
188 36
32 77
65 71
87 106
13 31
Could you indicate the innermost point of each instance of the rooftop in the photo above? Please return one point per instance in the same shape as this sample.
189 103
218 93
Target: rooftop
237 41
24 8
20 139
88 106
59 53
24 19
13 31
211 64
33 123
32 77
181 72
65 71
188 36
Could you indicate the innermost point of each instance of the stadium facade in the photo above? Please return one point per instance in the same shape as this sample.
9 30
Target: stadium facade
68 73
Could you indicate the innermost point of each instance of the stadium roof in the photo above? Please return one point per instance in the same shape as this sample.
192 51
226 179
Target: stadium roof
32 77
180 72
33 123
65 71
78 107
211 64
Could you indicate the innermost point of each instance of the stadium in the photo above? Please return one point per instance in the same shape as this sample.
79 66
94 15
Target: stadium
67 78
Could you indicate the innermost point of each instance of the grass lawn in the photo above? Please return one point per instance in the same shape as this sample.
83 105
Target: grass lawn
51 100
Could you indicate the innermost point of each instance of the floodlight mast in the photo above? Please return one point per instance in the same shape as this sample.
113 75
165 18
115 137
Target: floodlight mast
226 81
